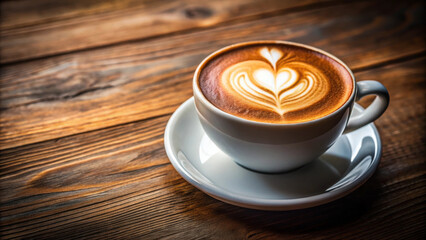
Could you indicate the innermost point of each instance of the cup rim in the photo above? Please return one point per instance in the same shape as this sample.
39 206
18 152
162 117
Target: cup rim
200 96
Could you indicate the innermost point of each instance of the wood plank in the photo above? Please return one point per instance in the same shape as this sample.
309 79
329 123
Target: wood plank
32 29
69 94
26 13
117 182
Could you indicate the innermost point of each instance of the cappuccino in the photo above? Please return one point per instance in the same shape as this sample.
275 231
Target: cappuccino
275 83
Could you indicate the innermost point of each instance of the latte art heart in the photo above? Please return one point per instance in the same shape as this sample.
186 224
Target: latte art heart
278 83
274 82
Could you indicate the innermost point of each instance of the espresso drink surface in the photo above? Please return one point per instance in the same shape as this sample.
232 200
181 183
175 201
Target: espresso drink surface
275 83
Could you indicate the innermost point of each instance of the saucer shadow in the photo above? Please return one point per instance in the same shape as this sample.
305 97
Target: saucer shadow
341 212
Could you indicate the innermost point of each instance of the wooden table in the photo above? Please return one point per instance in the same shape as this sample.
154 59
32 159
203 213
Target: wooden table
87 88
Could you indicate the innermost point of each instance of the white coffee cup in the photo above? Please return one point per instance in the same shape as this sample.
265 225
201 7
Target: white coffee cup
272 147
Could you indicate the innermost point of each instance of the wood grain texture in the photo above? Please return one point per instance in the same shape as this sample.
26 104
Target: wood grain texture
118 183
38 28
64 95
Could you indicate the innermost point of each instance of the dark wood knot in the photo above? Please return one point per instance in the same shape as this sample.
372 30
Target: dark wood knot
198 12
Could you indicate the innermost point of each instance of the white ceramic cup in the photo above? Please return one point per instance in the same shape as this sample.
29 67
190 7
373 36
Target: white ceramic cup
271 147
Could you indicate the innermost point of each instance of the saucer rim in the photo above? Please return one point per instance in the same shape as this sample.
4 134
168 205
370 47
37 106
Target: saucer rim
265 203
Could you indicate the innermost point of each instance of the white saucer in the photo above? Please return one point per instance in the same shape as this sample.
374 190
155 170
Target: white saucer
343 168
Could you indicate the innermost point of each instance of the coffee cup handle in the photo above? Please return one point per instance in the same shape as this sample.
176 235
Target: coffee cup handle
376 108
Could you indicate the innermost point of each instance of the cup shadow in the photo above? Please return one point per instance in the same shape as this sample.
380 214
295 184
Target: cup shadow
338 167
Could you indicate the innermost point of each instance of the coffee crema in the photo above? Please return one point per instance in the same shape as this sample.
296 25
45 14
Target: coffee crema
275 83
